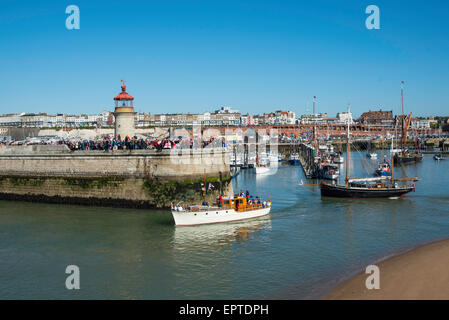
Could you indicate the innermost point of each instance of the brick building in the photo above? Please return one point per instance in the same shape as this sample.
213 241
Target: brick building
377 118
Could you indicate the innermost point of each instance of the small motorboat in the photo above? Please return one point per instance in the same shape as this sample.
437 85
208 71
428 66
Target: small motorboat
372 155
383 170
294 159
228 209
329 171
261 166
338 158
438 157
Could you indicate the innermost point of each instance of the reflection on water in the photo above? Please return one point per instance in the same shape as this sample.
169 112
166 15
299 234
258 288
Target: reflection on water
300 250
220 234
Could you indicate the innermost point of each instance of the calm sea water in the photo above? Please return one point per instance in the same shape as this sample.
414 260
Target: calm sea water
301 250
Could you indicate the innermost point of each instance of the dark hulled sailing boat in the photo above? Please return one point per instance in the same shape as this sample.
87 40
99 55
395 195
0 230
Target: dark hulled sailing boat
365 188
377 187
404 156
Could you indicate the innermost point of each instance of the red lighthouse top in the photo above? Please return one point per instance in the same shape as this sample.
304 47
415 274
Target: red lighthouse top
123 96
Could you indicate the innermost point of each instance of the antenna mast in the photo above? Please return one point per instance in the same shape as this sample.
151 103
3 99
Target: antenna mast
348 148
402 118
314 127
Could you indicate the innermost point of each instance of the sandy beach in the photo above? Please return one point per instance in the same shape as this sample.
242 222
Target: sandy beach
421 273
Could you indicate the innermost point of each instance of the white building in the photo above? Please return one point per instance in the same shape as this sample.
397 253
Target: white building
226 110
10 121
344 117
420 123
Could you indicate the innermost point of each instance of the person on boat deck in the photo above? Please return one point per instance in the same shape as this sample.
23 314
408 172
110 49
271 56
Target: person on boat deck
247 194
241 193
220 201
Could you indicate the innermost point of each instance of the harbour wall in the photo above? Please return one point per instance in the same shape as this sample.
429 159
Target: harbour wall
137 178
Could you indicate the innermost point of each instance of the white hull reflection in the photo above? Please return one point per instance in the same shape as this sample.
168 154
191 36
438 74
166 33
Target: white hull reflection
221 234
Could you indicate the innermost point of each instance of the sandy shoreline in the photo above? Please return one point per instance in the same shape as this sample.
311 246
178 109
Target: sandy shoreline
420 273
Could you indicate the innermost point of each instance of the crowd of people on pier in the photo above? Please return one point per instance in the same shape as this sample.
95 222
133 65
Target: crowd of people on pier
135 143
128 143
108 143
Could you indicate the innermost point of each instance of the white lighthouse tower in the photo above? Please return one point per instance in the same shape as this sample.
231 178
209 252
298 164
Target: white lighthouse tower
124 114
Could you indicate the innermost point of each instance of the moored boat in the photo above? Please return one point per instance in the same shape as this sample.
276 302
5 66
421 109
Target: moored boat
407 158
372 155
338 158
329 171
294 159
383 170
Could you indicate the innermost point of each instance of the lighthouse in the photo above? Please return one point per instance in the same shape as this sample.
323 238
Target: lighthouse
124 114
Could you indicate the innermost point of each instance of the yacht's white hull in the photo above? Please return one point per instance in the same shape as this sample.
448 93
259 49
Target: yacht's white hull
215 215
273 159
339 160
331 176
261 170
394 151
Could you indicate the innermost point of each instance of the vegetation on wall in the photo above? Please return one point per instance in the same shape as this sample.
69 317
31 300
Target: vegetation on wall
22 180
82 182
187 191
93 182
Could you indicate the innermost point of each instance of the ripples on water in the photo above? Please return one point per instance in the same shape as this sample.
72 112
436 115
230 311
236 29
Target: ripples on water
299 251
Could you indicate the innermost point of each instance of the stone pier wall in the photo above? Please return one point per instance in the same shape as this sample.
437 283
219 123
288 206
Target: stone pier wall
139 178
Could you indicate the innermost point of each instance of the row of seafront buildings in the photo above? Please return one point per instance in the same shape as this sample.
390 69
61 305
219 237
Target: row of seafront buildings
225 116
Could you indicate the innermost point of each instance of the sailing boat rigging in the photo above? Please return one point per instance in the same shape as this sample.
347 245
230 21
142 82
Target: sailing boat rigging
404 156
377 187
384 168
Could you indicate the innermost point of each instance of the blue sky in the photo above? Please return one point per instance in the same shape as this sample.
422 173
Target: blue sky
194 56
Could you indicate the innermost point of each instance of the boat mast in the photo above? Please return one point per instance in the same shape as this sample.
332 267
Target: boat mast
392 166
347 150
314 128
204 185
382 146
402 118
